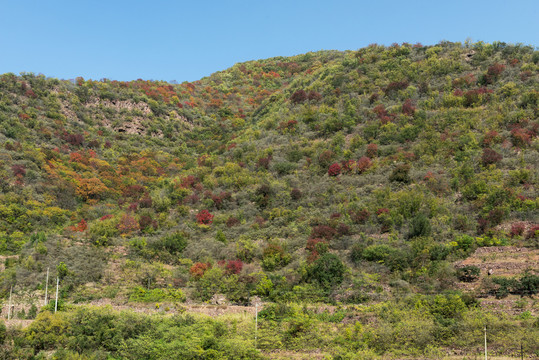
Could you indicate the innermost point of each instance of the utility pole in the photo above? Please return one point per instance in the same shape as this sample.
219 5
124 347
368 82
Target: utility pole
486 342
56 303
256 322
46 287
9 310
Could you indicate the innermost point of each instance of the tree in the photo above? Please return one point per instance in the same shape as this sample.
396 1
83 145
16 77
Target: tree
328 270
128 224
92 188
400 174
490 157
334 169
419 226
204 217
298 96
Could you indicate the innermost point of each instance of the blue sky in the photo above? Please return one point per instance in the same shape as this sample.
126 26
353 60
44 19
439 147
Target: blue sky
187 40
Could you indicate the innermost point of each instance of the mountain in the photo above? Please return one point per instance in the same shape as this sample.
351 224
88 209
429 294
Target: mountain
337 178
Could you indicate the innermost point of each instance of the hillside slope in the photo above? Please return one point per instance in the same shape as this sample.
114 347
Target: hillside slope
336 177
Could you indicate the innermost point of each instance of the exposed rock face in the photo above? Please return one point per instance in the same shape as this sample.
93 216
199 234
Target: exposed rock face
120 105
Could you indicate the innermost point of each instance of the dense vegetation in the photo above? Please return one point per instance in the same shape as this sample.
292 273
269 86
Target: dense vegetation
354 177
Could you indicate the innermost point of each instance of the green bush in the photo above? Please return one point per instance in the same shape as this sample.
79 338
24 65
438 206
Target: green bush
328 270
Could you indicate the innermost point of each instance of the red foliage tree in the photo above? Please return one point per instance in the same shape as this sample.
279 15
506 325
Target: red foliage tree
343 229
372 151
145 221
234 267
80 227
264 162
363 164
74 139
204 217
395 86
490 157
128 224
298 96
490 137
533 232
334 169
495 70
517 229
198 269
323 232
348 166
316 247
359 216
520 137
380 111
408 108
232 221
19 171
314 96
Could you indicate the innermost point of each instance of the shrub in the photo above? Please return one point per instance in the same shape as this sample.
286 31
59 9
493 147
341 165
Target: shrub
529 285
419 226
408 108
356 253
274 257
328 270
372 151
490 157
395 86
533 232
198 269
173 243
264 162
323 231
326 158
298 96
517 229
295 194
233 267
343 229
334 169
232 221
359 216
316 247
47 331
128 224
363 164
204 217
263 195
400 174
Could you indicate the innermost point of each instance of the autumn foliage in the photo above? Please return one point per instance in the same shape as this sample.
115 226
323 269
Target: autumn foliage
204 217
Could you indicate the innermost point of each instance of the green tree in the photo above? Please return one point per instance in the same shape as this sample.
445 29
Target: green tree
328 270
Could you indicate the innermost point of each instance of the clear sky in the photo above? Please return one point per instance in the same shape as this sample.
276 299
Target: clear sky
187 40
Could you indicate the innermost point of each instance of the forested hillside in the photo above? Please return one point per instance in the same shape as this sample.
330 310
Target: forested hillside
330 178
